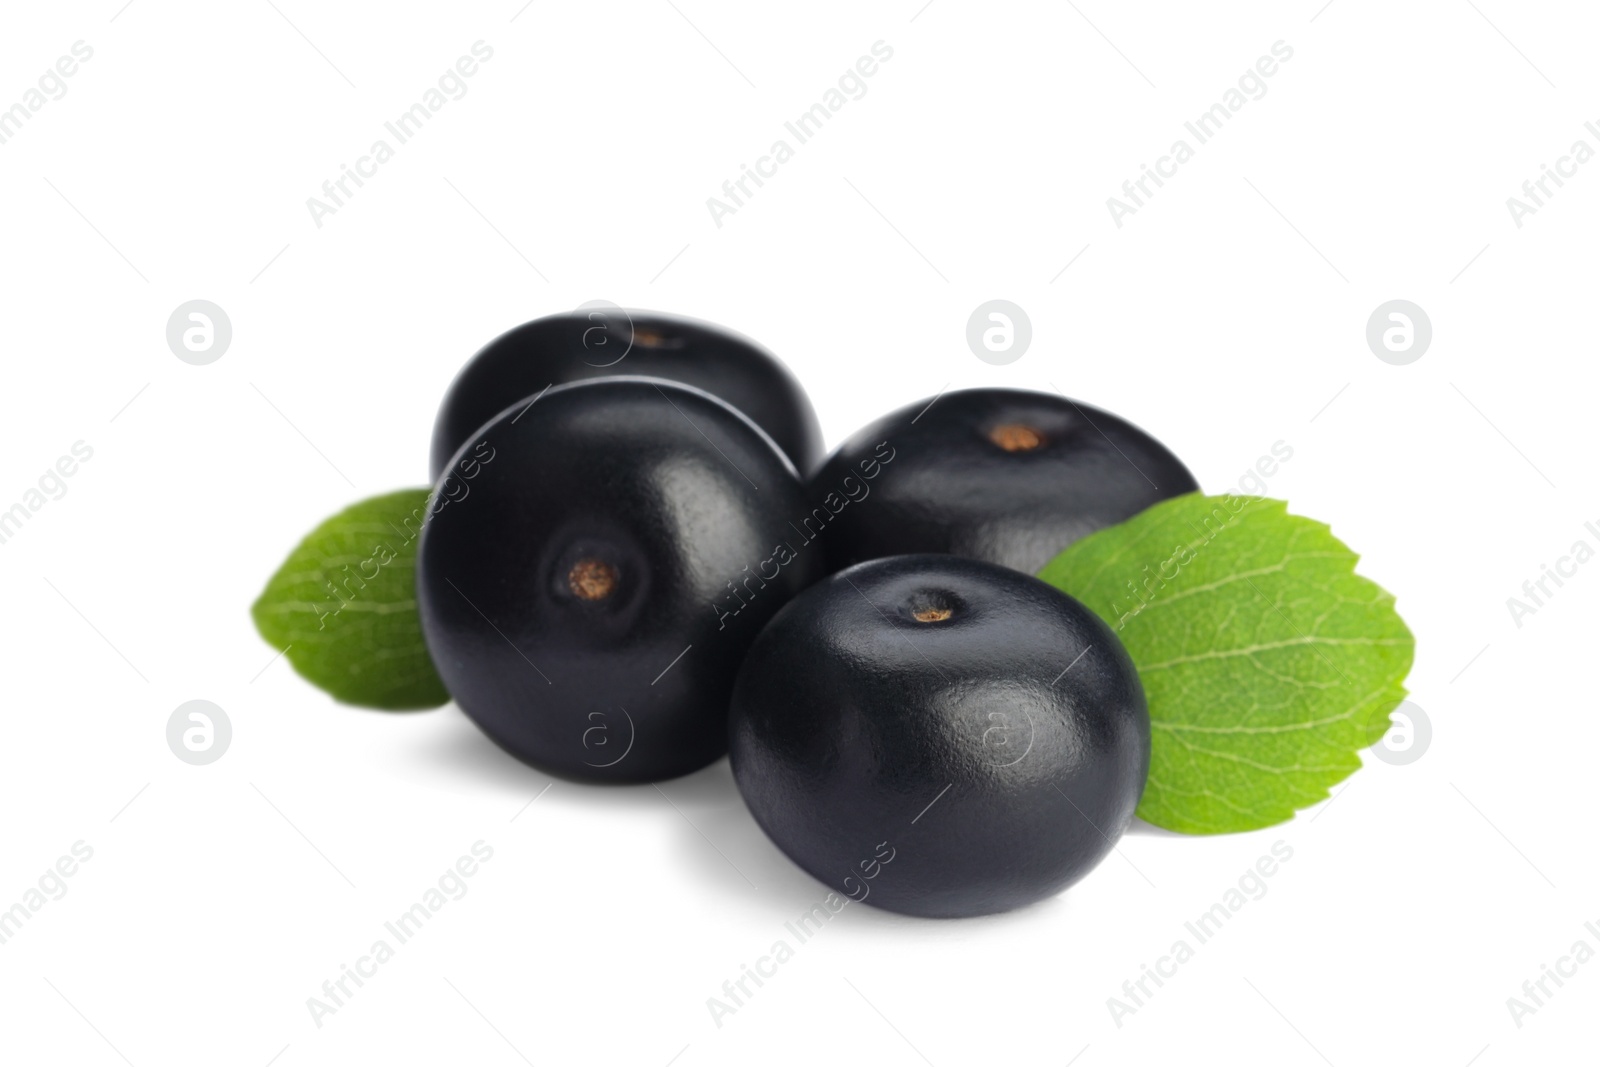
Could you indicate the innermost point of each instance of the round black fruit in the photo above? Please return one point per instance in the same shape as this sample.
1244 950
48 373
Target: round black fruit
940 736
1003 475
596 565
594 343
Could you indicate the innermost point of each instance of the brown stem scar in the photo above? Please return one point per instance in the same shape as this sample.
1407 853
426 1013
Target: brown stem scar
592 579
1014 437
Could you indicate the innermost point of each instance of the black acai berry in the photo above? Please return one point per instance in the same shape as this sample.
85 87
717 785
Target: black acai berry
1003 475
595 566
603 343
940 736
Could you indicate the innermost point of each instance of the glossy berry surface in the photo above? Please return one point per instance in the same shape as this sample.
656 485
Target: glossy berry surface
940 736
595 567
1003 475
585 344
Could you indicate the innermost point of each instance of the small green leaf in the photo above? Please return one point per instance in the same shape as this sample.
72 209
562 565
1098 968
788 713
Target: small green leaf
1267 661
344 605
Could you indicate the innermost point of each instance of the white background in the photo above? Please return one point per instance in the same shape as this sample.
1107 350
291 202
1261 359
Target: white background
1226 315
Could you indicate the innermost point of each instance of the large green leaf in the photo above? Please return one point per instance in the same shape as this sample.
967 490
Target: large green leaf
1267 661
344 604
